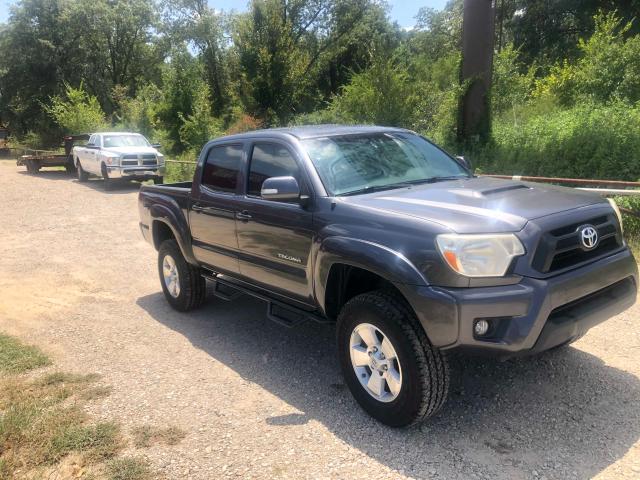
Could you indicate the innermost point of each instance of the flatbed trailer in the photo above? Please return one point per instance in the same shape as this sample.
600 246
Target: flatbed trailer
43 158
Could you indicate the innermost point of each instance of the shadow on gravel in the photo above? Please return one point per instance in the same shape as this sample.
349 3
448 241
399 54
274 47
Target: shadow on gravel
117 188
49 175
562 415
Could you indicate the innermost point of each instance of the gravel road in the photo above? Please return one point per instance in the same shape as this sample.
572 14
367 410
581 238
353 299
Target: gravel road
261 401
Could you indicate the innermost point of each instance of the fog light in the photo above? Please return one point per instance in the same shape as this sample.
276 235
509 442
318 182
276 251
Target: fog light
481 327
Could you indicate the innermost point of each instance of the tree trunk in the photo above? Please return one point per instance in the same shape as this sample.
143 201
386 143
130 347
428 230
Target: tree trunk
477 62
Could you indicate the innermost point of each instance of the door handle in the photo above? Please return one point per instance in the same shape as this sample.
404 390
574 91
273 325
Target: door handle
244 216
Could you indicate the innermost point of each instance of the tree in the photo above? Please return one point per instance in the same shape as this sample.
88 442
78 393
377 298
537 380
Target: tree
76 112
196 22
282 46
117 44
181 83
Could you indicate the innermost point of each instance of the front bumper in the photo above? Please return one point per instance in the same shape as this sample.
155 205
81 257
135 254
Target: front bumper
136 172
533 315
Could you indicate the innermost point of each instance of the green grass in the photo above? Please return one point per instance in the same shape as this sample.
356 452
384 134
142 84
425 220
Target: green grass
128 468
43 423
148 435
16 357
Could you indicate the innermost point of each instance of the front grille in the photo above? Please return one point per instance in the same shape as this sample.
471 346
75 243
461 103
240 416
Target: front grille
142 159
561 247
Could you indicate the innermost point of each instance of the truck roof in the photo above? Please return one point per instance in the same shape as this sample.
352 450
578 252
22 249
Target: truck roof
313 131
116 133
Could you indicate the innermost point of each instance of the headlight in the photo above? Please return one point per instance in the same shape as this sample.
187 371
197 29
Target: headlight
614 205
113 160
160 158
479 255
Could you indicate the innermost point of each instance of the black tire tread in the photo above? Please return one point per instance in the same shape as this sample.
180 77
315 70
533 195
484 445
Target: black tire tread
194 286
431 362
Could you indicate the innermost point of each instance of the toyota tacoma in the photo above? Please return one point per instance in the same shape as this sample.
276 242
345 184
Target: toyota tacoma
396 242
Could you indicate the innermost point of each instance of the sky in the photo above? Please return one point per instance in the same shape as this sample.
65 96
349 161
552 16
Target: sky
402 11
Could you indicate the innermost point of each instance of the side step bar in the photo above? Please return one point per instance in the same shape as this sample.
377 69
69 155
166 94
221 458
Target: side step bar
279 312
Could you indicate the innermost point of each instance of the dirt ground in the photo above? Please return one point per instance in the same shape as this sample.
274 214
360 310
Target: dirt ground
261 401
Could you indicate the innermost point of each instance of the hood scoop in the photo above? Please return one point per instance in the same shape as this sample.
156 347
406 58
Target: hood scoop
505 188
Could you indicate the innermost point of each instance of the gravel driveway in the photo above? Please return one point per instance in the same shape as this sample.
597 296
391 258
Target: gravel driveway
261 401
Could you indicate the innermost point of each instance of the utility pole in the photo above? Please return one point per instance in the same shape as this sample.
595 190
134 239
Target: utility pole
477 62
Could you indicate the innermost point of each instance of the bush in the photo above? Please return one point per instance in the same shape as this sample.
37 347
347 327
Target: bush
631 222
200 126
585 141
77 112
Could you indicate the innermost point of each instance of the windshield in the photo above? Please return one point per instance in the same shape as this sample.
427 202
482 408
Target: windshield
352 163
125 141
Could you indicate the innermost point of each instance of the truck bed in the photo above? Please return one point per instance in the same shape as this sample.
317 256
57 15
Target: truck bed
169 188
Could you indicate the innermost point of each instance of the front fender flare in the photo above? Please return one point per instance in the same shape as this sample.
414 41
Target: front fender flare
376 258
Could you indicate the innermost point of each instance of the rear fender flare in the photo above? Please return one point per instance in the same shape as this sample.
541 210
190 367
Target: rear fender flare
178 226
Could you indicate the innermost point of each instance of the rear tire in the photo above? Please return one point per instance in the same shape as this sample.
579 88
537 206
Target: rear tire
420 369
183 285
82 175
33 167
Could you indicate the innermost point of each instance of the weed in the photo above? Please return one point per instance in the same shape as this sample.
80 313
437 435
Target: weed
128 468
16 357
147 435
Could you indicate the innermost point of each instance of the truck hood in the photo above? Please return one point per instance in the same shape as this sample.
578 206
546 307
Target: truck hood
130 150
477 205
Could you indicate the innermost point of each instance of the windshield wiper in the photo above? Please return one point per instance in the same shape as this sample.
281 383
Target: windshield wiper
441 179
408 183
376 188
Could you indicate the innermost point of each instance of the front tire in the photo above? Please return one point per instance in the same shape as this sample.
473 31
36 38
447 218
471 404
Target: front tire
182 283
82 175
108 182
391 368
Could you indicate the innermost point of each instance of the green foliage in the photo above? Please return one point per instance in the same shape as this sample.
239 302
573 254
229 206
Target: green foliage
200 126
631 222
608 68
139 114
587 141
182 172
181 83
381 95
15 357
511 87
77 112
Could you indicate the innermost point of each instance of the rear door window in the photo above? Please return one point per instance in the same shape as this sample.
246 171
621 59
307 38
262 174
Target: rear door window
221 168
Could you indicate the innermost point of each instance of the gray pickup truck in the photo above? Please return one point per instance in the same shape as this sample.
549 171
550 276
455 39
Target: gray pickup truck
384 234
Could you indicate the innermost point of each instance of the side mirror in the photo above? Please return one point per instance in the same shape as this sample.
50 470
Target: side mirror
280 189
463 161
155 145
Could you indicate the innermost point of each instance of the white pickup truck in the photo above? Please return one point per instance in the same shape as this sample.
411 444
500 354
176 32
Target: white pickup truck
116 155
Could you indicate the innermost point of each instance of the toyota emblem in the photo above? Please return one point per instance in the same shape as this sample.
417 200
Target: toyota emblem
588 236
